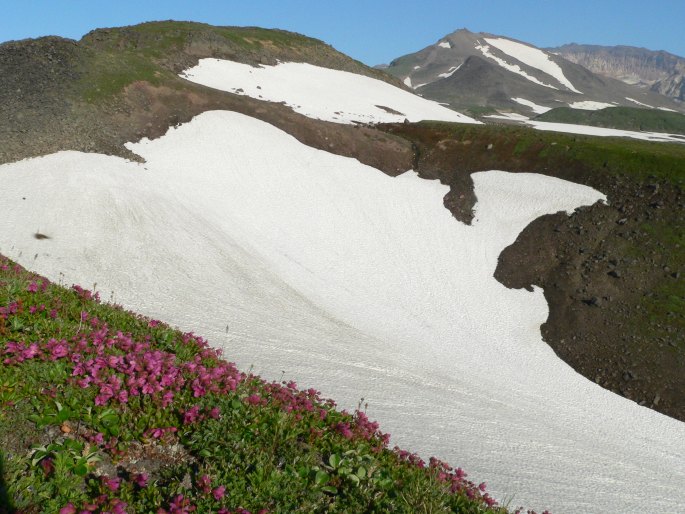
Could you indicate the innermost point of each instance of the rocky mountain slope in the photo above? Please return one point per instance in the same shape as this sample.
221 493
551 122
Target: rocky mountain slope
658 71
479 71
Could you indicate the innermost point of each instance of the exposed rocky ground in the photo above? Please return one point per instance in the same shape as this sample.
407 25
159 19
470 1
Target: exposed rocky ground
611 274
659 71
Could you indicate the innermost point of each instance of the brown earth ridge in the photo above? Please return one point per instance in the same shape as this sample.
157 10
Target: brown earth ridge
611 273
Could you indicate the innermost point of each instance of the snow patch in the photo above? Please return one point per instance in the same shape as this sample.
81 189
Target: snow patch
514 116
321 93
605 132
450 72
445 44
589 105
638 102
537 109
533 57
407 81
417 67
666 109
358 284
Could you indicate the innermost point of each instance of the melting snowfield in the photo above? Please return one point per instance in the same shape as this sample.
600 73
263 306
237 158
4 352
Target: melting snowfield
322 93
361 285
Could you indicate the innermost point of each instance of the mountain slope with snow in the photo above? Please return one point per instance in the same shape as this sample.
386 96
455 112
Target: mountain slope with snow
359 283
476 70
321 93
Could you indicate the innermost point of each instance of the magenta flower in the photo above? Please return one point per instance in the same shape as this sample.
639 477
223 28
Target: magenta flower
141 479
218 492
112 483
68 509
191 415
203 483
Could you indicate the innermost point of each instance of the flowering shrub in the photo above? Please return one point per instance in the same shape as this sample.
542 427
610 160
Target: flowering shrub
120 413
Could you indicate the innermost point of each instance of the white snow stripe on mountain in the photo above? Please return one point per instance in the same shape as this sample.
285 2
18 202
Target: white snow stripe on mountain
485 49
638 102
533 57
450 72
445 44
538 109
321 93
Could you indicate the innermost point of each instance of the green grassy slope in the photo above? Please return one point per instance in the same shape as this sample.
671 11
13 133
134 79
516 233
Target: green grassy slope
157 51
626 118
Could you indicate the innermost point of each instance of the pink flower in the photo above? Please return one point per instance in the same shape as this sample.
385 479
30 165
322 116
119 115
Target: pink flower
218 492
141 479
203 483
32 288
191 415
112 483
68 509
344 429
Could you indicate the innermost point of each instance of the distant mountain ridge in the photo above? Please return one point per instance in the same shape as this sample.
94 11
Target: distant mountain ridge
659 71
479 71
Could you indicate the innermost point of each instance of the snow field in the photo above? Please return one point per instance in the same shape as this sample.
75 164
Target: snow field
358 284
321 93
589 105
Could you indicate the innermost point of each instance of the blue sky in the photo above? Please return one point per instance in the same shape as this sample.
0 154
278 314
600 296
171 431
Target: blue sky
374 31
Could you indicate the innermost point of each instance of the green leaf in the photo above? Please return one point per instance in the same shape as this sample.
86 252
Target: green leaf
81 469
361 472
329 489
334 460
321 478
354 479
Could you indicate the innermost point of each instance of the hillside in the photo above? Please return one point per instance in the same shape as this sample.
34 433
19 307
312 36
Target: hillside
313 222
626 118
121 84
108 411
